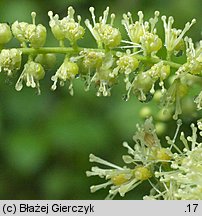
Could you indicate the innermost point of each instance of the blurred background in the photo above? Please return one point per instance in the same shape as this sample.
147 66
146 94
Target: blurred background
45 140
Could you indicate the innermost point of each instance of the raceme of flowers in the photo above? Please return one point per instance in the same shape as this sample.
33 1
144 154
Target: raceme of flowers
135 59
172 173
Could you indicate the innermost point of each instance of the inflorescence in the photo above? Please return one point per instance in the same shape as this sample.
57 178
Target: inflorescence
171 172
134 60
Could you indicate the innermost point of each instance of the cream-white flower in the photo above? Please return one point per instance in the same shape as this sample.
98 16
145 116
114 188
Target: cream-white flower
103 32
10 60
67 27
173 36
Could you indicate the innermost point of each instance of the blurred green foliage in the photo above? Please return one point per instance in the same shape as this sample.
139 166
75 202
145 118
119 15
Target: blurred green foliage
46 140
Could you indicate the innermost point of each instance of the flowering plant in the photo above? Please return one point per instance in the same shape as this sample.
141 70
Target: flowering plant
135 61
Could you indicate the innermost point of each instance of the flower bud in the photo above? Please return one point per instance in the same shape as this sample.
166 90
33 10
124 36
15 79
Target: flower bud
5 33
46 60
164 72
145 112
180 46
142 86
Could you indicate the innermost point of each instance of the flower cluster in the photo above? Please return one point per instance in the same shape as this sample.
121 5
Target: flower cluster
143 33
143 160
102 32
136 61
174 37
66 28
183 181
31 34
171 172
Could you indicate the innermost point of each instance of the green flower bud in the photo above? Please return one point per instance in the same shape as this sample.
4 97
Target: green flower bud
145 112
164 72
142 86
58 33
31 74
178 50
180 46
10 60
5 33
198 101
46 60
162 116
160 129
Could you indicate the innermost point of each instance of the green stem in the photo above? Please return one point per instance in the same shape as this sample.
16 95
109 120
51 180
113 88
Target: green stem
70 50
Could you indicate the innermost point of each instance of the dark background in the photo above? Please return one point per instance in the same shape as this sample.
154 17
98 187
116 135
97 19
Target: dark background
45 140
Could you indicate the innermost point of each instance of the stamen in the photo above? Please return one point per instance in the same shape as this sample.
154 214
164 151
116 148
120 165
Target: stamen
105 15
112 19
93 158
71 12
154 20
92 9
33 15
95 188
